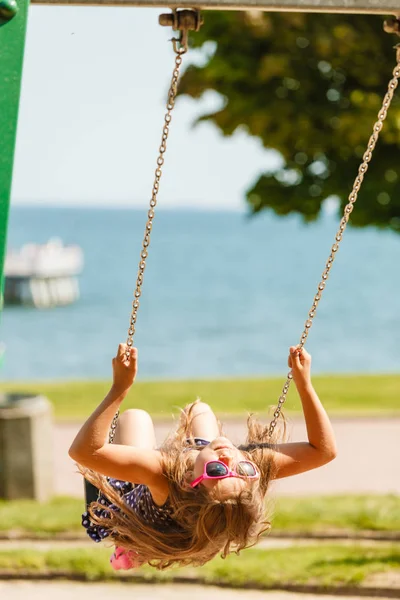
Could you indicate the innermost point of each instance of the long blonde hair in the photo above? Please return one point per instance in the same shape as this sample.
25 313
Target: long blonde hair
205 525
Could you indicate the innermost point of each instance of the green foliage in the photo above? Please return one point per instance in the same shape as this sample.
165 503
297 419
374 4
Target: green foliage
310 87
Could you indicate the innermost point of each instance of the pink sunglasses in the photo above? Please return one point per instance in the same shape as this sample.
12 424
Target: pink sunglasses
216 469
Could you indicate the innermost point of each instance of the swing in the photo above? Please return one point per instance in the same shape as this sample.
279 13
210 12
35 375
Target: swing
190 20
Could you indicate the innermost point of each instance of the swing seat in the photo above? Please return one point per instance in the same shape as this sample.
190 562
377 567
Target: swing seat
91 493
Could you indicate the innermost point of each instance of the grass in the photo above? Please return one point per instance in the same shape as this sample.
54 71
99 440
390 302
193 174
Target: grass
352 513
341 395
323 566
307 515
59 515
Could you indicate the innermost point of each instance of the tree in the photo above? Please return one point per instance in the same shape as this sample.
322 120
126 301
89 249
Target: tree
309 86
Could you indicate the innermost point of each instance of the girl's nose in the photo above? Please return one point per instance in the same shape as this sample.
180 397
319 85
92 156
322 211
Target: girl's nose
226 459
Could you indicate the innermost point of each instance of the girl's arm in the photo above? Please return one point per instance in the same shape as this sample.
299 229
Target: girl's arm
91 449
320 449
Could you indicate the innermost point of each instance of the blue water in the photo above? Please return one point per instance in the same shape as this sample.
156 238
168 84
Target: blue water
223 295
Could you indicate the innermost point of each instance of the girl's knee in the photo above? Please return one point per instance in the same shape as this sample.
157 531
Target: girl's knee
136 415
135 428
201 408
204 423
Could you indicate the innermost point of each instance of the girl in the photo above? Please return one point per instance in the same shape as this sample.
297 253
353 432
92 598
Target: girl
198 494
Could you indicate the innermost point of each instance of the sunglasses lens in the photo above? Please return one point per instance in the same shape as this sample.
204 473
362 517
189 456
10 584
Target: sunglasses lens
216 469
247 469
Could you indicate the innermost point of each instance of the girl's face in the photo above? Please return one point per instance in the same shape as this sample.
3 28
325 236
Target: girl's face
223 450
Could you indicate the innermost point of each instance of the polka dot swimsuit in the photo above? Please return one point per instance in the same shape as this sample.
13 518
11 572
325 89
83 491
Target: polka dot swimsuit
139 498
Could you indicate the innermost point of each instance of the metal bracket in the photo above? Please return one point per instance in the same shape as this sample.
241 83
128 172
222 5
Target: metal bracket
183 20
392 25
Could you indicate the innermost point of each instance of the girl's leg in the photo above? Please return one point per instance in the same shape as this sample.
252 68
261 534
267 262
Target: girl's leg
135 428
204 424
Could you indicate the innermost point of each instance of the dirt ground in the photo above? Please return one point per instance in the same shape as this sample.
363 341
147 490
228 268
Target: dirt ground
21 590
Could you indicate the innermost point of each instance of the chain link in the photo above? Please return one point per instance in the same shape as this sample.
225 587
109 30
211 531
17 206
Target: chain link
113 428
180 48
153 202
342 226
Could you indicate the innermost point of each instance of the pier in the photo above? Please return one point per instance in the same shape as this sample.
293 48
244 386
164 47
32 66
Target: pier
43 276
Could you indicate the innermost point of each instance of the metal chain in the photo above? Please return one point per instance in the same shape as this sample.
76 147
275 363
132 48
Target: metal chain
113 427
153 202
339 235
180 48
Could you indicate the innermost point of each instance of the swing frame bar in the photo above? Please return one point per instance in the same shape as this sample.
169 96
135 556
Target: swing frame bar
378 7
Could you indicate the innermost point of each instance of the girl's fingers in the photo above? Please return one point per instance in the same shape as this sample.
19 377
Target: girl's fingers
290 357
305 357
297 362
294 357
132 359
126 356
121 350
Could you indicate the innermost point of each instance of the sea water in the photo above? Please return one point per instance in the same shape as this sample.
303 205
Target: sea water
223 295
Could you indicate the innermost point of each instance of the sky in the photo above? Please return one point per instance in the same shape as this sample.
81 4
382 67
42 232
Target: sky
92 108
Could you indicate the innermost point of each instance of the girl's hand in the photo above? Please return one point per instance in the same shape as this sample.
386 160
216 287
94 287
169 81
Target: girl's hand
300 362
124 368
